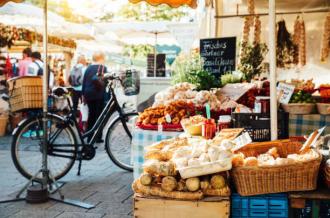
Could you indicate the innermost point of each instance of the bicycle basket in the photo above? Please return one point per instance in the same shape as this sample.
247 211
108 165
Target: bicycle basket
131 82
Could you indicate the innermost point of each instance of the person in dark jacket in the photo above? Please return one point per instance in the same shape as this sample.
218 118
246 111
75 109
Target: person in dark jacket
93 89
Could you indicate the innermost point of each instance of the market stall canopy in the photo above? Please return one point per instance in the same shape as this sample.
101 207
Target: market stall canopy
139 32
172 3
27 15
2 2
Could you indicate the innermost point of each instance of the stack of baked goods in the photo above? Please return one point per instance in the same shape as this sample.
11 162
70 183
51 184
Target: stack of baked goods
175 168
168 116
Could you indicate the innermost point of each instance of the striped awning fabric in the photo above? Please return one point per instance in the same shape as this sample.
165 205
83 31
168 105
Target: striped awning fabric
172 3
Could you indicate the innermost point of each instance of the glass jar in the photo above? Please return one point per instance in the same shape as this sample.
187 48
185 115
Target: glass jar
209 129
224 122
262 104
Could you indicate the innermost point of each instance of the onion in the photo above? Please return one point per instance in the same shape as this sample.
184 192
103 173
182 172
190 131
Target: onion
169 183
193 184
146 179
218 182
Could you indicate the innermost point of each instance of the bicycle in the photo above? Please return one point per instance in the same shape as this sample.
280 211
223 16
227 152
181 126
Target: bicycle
64 148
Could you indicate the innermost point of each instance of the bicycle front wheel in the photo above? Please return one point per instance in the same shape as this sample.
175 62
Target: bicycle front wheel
118 141
27 147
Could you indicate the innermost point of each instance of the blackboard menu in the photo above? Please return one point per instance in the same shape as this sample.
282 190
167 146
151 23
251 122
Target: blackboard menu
160 65
219 55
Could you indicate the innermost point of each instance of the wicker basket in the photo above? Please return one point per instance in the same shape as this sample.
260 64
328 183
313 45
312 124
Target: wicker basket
275 179
25 93
3 124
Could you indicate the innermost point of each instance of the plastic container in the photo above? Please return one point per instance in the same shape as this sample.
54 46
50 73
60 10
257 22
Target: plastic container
205 169
262 104
258 125
273 205
224 122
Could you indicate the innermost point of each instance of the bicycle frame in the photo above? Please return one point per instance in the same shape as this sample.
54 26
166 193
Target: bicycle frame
111 107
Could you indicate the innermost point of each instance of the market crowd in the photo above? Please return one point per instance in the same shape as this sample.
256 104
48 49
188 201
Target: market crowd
89 94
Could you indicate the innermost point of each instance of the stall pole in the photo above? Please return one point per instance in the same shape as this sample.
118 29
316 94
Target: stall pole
47 179
45 96
272 69
155 55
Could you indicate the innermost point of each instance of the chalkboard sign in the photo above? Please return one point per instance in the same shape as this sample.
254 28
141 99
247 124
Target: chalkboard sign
160 65
219 55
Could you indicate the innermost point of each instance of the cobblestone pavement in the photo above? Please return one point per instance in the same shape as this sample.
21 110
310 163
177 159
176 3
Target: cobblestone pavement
101 183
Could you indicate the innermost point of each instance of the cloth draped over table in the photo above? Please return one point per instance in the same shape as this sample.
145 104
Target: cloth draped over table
172 3
2 2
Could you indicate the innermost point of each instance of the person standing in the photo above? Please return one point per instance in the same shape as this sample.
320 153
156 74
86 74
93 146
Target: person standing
76 80
23 65
93 89
36 68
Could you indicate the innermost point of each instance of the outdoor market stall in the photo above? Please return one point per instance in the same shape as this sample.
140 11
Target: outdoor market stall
181 167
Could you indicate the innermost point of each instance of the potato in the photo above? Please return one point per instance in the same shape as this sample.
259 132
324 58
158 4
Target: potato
169 183
193 184
218 182
205 184
146 179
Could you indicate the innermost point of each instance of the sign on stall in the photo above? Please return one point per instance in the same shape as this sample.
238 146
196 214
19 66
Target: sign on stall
219 55
284 92
241 141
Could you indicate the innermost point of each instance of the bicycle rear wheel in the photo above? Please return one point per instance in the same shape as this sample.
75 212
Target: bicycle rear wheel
118 141
26 149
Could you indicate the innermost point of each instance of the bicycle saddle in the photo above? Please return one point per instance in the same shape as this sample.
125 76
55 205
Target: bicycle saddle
60 91
5 97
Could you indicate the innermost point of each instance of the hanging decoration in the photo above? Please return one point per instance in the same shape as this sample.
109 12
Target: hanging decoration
299 39
10 34
251 55
286 49
325 52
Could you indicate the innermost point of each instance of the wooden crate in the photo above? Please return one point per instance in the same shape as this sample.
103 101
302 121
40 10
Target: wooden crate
154 207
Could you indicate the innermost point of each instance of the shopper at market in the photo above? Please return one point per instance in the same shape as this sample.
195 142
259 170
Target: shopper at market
36 68
76 79
23 65
93 89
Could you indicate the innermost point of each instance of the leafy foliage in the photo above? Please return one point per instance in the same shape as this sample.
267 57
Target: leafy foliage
190 69
146 12
62 8
251 60
135 51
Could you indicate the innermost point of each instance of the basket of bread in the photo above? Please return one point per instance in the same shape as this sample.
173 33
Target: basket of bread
274 167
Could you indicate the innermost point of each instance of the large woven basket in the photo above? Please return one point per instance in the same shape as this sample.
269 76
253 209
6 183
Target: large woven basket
3 124
275 179
25 93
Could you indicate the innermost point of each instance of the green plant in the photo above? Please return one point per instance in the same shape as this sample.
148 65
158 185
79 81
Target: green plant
251 59
146 12
190 69
230 78
138 51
